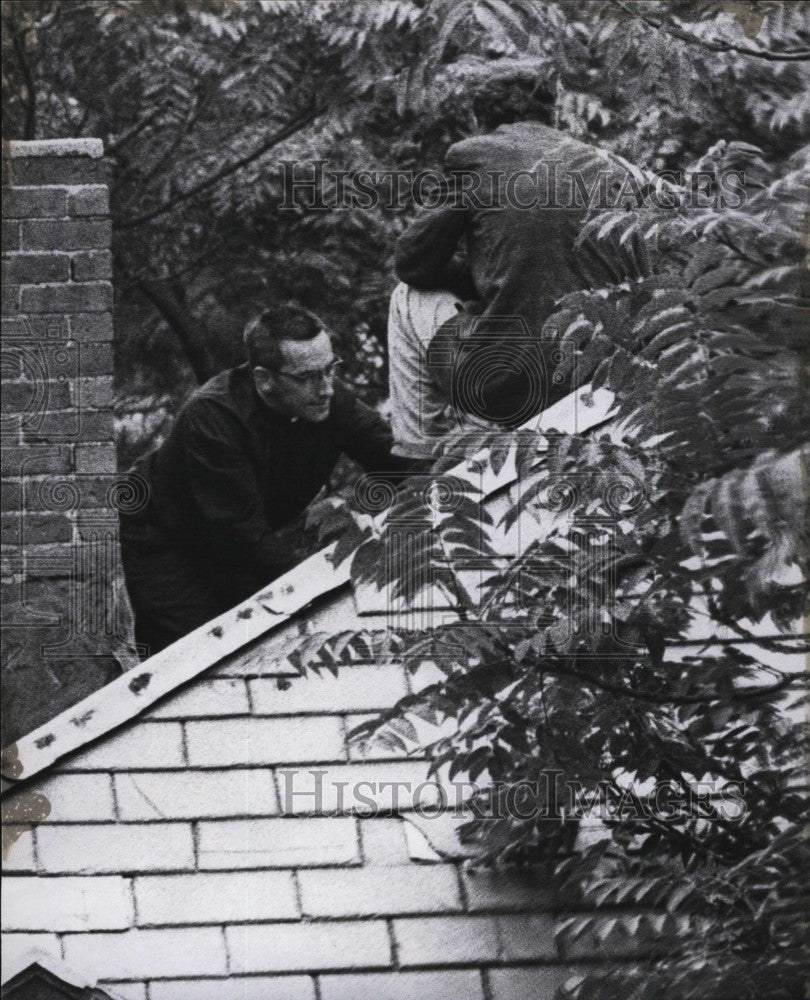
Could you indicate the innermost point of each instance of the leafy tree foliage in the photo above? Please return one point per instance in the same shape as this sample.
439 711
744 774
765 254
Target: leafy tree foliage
191 98
575 655
199 100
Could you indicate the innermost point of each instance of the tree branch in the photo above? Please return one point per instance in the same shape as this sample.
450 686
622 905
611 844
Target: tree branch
789 55
202 95
658 699
174 145
765 641
283 133
30 131
185 329
136 129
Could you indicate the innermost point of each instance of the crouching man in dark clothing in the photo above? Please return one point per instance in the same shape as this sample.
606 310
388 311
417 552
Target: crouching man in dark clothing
248 451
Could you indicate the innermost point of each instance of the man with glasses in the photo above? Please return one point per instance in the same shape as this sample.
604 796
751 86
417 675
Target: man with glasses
247 453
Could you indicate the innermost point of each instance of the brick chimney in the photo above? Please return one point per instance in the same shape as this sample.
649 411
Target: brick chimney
65 617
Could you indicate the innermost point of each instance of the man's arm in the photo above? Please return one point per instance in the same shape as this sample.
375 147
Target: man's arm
223 487
427 253
365 436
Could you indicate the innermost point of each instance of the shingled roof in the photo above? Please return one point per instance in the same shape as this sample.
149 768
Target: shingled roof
187 832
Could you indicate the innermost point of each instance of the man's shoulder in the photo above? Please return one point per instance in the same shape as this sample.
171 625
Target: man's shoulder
520 143
228 395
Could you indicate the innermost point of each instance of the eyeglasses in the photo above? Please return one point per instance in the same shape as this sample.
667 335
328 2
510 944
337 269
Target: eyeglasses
314 377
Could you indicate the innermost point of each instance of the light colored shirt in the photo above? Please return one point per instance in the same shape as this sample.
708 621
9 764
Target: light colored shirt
420 412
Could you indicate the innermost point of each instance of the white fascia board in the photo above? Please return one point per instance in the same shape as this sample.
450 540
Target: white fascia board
129 695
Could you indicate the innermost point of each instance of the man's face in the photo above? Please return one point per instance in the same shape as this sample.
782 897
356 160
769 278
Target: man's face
303 385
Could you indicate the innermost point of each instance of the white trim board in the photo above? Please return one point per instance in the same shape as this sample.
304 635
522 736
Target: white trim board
135 691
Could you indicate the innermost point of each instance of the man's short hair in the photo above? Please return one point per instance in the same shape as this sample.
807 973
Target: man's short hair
264 333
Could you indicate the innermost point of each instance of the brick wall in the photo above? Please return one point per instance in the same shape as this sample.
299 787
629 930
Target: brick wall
63 614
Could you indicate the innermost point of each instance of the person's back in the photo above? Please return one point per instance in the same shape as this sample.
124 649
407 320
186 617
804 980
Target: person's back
522 253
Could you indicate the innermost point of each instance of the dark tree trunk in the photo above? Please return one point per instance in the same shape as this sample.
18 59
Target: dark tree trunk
185 327
30 127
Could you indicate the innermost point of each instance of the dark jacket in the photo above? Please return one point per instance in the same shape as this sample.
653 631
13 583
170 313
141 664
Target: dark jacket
522 259
232 471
